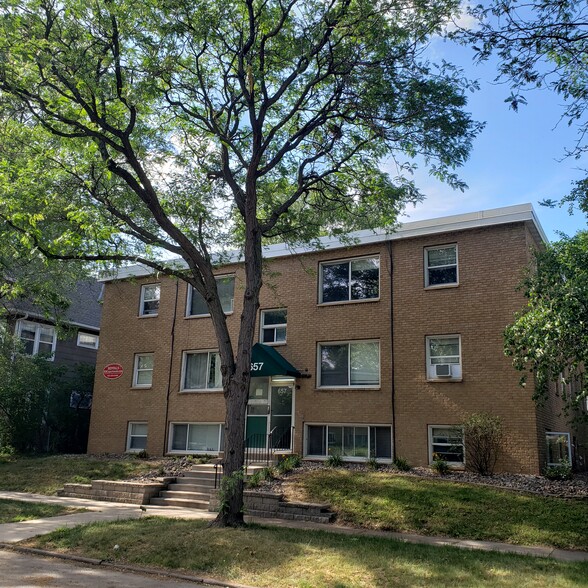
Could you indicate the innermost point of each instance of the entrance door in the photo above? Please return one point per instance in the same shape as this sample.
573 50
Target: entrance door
281 417
269 410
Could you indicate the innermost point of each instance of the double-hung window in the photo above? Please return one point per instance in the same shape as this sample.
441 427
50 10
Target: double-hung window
349 365
441 266
349 280
446 443
137 437
149 300
143 370
36 338
201 371
225 286
444 357
273 326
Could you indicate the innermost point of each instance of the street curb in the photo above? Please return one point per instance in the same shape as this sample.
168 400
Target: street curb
123 567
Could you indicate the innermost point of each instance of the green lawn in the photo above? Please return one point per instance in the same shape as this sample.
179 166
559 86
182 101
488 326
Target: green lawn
285 558
438 507
14 511
46 475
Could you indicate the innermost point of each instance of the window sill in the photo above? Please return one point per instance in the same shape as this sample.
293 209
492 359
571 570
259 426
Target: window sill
442 286
142 387
145 316
347 388
201 316
339 302
280 344
444 380
202 391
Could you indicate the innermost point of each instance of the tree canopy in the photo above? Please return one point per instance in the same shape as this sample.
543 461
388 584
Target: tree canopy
540 44
130 130
549 339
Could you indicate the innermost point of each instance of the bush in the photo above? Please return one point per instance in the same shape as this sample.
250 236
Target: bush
288 463
372 463
142 454
260 476
402 464
440 465
483 436
334 461
561 471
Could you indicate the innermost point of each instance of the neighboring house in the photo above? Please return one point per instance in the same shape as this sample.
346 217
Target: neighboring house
39 333
377 349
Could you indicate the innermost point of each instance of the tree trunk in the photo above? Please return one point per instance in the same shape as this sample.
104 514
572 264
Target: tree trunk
237 388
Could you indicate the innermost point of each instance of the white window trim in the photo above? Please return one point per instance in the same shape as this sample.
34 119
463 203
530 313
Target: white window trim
191 451
20 323
426 266
350 386
183 372
136 370
428 365
207 314
455 464
349 300
555 433
262 327
129 427
142 302
347 458
97 337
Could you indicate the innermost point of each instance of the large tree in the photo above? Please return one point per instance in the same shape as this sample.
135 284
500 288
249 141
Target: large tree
136 129
540 44
549 338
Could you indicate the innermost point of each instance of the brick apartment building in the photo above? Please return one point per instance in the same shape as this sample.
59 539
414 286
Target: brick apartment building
381 349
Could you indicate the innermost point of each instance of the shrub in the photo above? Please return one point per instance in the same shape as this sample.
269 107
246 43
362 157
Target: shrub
561 471
440 465
142 454
372 463
483 436
288 463
334 461
402 464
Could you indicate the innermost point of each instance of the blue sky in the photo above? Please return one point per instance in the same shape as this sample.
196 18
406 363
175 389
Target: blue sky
519 156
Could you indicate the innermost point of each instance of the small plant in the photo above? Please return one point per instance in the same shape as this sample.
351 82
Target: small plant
440 465
142 454
287 464
228 488
81 480
561 471
334 461
402 464
260 476
372 464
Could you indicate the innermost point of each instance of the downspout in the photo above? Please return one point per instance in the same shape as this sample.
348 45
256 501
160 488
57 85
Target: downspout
391 274
171 362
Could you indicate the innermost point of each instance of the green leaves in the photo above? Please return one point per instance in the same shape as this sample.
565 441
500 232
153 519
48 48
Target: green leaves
549 339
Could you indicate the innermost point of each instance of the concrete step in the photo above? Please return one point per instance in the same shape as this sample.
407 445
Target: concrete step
202 488
194 479
198 496
183 502
198 476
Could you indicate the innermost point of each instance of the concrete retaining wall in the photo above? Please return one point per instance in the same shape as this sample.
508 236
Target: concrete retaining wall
271 505
129 492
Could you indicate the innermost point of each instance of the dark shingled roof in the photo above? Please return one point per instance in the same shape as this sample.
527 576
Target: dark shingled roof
85 308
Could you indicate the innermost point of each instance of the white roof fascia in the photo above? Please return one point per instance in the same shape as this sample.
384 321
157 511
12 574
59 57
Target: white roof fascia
447 224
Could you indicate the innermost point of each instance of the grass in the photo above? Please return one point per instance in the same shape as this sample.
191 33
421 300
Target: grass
46 475
436 507
288 558
15 511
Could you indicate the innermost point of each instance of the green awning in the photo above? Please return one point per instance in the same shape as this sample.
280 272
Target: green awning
266 361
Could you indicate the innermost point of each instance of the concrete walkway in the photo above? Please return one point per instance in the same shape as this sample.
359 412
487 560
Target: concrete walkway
111 511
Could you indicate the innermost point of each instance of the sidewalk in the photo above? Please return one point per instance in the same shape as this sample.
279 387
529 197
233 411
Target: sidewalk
110 511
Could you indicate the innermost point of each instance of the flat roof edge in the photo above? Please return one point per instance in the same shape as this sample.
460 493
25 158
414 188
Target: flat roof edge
411 229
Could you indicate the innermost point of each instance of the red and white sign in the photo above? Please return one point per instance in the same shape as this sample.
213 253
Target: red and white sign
112 371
